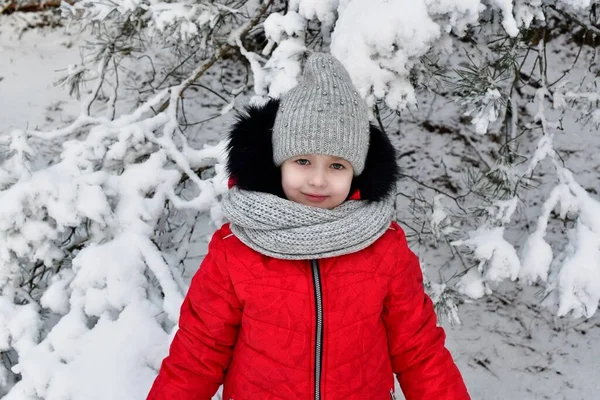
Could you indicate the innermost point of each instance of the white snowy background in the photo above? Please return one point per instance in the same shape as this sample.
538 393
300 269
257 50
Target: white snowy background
99 237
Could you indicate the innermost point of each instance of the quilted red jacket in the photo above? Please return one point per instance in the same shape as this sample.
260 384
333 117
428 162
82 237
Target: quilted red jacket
330 329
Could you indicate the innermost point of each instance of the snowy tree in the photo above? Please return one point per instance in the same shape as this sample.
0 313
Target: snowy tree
98 216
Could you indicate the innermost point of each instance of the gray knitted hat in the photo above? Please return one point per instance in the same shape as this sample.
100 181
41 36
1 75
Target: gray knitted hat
324 114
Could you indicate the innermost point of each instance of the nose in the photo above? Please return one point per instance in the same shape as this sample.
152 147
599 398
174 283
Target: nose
317 178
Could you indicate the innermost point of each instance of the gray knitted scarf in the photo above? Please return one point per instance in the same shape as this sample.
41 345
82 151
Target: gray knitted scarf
284 229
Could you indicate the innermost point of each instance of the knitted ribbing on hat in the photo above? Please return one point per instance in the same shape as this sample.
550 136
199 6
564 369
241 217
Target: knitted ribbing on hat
284 229
323 114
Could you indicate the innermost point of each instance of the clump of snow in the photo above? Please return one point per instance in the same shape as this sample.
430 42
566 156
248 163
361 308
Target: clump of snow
455 15
502 210
498 259
536 254
536 257
19 324
579 277
526 12
438 216
56 297
508 20
493 252
284 68
486 111
188 16
440 223
279 27
379 60
124 353
323 10
472 284
544 149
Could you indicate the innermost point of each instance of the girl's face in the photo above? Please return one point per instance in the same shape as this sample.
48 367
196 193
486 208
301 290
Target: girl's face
316 180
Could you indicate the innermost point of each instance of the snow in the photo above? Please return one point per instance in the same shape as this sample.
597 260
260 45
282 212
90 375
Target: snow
284 66
491 249
472 285
486 113
112 311
438 216
543 150
56 297
29 65
508 20
115 360
188 14
536 257
579 278
323 10
376 57
279 27
19 325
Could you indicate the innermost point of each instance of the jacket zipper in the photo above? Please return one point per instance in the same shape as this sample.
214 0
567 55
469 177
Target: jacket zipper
319 338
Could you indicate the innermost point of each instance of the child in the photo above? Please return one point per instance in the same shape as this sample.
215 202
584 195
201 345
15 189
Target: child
311 292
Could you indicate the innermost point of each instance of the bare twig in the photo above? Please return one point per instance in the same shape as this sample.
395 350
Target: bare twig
87 103
572 18
455 198
113 98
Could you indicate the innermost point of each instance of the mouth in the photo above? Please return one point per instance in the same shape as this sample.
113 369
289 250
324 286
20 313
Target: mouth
315 197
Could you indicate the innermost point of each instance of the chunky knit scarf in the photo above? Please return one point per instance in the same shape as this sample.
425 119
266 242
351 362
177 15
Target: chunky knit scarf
281 228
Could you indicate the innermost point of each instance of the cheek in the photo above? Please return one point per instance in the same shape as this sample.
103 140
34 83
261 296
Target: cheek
290 178
343 184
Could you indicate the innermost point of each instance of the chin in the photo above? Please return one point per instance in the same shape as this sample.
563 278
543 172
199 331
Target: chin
328 206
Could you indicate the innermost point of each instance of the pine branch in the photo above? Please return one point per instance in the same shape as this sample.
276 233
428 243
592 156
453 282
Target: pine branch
224 50
588 27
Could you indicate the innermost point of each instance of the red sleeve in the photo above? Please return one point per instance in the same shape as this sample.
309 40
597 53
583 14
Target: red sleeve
423 366
208 326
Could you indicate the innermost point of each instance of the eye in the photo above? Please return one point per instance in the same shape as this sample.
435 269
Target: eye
337 166
302 161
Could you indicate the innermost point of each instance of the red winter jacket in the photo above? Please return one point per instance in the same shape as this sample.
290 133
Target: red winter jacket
330 329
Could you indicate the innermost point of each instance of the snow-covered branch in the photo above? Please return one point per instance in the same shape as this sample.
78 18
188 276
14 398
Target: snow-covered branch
78 236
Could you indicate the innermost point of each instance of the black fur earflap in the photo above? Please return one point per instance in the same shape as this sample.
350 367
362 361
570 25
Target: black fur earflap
250 160
381 172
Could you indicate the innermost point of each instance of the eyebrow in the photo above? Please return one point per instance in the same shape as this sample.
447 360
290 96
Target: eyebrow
333 158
